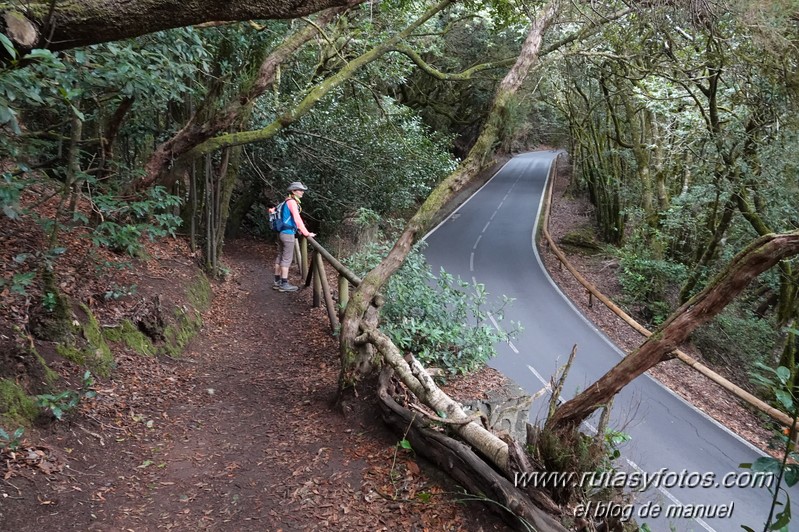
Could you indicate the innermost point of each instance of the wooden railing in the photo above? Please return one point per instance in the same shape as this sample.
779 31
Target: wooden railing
592 291
313 271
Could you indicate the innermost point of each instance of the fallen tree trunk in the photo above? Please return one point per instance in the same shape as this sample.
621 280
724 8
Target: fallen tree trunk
463 464
421 384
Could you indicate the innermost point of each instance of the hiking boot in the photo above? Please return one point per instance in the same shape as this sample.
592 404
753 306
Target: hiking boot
275 285
286 286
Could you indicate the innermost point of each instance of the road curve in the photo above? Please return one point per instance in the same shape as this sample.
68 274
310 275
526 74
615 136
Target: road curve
490 239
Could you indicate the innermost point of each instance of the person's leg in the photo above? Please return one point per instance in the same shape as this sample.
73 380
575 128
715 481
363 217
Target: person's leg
286 257
278 270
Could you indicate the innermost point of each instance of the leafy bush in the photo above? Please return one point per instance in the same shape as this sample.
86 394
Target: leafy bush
18 283
646 283
127 222
60 403
737 338
375 133
10 189
441 321
66 401
11 441
784 469
21 281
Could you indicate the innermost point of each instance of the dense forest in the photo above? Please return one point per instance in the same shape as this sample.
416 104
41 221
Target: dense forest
678 119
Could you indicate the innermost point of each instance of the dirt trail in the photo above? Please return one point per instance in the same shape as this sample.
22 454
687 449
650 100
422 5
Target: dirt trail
238 434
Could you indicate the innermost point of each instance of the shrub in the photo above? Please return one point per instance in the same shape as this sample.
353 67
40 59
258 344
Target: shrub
646 283
126 222
737 339
441 321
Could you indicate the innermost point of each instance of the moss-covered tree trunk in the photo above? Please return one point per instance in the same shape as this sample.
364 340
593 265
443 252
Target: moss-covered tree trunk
239 209
202 127
708 251
758 257
229 179
314 95
71 24
354 361
600 171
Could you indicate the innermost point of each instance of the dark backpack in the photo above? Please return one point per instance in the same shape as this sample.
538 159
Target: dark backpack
276 217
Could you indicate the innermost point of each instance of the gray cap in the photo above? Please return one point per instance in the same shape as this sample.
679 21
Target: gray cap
297 186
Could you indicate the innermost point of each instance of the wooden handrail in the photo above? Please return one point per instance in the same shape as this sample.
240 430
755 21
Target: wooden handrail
314 273
340 268
736 390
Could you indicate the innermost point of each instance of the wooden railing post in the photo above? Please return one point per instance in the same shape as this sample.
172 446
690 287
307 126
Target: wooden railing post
343 293
298 257
304 255
331 309
317 280
309 275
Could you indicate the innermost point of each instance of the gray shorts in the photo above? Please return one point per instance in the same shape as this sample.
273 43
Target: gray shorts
285 249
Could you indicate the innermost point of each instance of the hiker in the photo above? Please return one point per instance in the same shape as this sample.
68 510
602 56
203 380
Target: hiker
285 246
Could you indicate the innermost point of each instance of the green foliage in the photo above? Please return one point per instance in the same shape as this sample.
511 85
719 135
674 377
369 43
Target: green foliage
66 401
58 404
613 439
464 39
12 441
779 382
118 237
353 153
13 90
19 282
152 75
49 301
736 338
442 321
10 189
646 281
116 292
127 222
515 126
365 217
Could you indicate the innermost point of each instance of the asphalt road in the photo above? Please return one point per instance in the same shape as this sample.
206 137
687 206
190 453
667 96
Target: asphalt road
490 239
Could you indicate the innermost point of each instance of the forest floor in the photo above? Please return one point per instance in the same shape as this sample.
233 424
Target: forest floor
240 432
